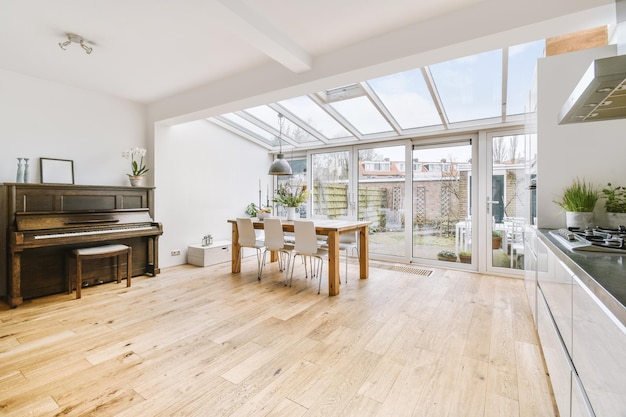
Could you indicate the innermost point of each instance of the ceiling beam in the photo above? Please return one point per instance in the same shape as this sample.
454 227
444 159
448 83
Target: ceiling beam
261 34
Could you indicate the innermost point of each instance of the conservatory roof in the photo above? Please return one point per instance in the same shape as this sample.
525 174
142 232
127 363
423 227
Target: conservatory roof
484 90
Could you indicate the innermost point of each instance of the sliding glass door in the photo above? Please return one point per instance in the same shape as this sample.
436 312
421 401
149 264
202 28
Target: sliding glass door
332 191
509 206
441 202
382 198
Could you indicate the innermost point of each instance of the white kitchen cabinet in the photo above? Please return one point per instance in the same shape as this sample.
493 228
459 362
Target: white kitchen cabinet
555 355
213 254
599 353
556 286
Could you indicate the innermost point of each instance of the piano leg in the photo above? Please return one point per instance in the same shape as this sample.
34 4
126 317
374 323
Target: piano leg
15 293
152 268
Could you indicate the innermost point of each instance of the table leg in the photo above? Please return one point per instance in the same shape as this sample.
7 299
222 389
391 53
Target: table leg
333 263
364 262
235 265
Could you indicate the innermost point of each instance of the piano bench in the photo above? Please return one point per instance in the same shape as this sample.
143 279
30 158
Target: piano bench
106 251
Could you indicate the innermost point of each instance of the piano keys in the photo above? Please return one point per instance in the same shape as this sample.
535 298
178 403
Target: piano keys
45 221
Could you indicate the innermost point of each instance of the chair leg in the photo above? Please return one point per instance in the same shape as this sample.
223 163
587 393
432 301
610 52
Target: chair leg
320 262
259 265
292 265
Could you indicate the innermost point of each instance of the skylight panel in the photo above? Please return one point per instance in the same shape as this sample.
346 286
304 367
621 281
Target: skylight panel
361 113
309 112
470 88
290 130
406 96
522 67
250 128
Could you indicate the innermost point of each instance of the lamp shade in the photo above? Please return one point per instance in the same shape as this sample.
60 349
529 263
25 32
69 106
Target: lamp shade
280 166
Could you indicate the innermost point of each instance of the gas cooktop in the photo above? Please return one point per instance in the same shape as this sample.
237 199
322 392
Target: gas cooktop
595 240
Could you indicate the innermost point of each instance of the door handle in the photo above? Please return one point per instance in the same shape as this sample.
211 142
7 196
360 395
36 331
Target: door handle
490 202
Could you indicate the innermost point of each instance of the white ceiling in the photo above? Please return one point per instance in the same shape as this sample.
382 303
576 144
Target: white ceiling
151 50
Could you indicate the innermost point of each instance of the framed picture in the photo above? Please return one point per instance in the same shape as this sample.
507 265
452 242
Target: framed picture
56 171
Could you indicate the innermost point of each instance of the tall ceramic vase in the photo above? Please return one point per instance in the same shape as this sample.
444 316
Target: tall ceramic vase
20 171
291 213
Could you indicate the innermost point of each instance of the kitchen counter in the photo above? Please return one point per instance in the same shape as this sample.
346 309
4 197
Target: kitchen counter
604 274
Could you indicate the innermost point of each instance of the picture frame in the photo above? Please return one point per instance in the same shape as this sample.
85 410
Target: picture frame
56 171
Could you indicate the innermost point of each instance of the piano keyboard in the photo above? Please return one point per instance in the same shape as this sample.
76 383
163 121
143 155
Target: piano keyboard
93 232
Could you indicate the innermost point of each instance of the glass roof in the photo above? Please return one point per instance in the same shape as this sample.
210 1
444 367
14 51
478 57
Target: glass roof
487 89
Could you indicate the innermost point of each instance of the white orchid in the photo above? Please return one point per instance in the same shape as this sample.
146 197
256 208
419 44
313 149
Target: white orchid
134 154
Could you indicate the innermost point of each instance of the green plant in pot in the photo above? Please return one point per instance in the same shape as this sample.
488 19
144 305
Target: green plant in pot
615 205
496 239
578 200
447 255
465 256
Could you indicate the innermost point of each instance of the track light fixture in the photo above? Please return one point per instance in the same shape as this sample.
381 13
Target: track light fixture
72 37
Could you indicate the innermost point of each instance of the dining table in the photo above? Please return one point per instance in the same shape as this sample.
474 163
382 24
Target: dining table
323 227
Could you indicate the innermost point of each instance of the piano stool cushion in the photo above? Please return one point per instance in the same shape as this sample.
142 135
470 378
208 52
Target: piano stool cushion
100 252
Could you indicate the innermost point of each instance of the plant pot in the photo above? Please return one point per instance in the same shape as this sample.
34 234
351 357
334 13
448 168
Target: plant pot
496 242
136 180
465 259
446 258
615 220
579 219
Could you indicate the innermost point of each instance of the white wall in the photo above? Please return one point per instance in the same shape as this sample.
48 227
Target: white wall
39 118
592 151
205 175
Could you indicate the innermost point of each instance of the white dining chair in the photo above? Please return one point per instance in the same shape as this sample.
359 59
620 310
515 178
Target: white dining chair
306 246
249 239
275 241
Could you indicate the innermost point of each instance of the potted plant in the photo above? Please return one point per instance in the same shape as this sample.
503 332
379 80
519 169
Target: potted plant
253 210
291 198
578 200
138 168
447 255
615 205
496 239
465 256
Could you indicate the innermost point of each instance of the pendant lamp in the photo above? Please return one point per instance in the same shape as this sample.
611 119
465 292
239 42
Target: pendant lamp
280 166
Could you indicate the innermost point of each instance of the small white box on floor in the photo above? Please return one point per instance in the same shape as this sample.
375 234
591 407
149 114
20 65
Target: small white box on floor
218 252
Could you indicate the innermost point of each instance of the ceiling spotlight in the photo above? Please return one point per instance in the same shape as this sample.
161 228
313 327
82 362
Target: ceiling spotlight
71 37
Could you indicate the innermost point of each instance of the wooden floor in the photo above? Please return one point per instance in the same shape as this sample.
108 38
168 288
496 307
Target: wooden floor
204 342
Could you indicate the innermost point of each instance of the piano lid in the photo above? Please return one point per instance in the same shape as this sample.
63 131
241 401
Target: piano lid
61 220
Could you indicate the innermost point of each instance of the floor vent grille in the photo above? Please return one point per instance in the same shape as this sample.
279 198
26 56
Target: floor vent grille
407 269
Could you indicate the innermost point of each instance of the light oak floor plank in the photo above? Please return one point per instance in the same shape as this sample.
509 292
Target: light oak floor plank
202 341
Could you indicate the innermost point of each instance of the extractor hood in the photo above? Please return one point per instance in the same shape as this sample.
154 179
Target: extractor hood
601 92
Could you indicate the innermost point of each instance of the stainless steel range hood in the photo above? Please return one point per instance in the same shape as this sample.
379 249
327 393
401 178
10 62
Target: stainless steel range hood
601 92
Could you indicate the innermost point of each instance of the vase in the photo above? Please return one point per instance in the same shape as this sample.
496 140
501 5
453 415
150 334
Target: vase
291 213
136 180
26 170
20 171
579 219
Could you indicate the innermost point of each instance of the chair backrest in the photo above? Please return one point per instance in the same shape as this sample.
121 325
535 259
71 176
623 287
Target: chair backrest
348 237
306 240
274 237
247 237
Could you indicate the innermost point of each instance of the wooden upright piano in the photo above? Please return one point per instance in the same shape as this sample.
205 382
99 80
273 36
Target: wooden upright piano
43 222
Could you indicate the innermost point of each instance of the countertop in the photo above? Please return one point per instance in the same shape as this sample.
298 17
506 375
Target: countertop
604 274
